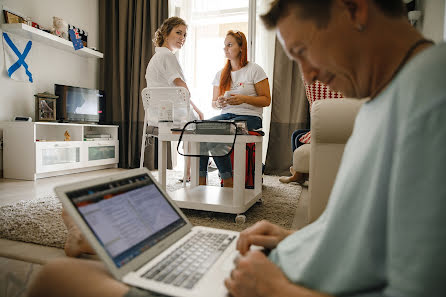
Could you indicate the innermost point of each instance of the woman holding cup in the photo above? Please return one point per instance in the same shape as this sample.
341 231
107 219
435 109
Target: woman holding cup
241 90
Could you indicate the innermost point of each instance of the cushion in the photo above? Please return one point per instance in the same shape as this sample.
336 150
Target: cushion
301 158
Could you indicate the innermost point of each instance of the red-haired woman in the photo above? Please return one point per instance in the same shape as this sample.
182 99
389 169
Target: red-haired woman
241 90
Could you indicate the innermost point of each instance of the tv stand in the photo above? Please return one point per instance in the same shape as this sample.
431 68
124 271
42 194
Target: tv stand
35 150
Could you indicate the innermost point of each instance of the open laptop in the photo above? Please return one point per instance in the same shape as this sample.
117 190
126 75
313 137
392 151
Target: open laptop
145 240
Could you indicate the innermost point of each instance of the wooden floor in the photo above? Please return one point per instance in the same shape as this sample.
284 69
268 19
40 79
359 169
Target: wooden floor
12 190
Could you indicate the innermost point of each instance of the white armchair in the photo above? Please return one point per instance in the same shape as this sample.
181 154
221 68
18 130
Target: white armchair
331 126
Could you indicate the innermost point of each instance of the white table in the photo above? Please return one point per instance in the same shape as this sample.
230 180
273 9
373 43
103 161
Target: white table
234 200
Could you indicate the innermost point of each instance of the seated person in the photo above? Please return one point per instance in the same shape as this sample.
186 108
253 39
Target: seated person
381 233
247 92
315 91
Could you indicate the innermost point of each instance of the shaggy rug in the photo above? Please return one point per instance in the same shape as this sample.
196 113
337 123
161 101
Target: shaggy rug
39 220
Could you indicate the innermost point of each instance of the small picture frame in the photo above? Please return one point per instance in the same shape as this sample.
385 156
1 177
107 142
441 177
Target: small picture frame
46 107
11 18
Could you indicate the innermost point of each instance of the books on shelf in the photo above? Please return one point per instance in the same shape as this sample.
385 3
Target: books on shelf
97 136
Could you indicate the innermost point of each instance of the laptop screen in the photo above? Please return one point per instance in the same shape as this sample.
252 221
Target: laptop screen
127 216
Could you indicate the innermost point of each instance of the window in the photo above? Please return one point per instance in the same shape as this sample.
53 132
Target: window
202 56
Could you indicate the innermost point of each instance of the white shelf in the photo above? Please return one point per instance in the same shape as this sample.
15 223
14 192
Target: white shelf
36 150
49 39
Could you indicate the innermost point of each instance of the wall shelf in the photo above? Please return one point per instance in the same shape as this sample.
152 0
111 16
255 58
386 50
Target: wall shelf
34 34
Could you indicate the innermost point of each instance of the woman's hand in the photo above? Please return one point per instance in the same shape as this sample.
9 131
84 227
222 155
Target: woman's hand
200 115
198 111
220 102
235 100
263 234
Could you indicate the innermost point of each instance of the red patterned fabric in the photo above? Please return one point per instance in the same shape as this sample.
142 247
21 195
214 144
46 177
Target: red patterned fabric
317 91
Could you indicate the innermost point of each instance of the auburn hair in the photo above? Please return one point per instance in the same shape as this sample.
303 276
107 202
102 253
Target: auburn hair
225 78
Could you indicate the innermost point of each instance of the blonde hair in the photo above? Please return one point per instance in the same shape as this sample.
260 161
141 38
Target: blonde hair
165 29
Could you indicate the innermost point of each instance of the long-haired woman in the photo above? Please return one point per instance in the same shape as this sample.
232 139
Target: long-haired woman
241 90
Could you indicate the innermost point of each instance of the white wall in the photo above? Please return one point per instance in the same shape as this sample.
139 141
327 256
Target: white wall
50 65
433 23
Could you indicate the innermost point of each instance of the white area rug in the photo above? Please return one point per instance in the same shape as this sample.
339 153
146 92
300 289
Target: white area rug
39 220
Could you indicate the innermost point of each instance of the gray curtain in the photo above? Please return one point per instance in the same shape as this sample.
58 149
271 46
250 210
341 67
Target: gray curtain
126 30
289 112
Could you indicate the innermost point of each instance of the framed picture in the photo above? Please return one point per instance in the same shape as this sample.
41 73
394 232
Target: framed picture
11 18
45 109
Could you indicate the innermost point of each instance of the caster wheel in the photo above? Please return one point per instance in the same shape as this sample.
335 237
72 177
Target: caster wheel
240 219
260 201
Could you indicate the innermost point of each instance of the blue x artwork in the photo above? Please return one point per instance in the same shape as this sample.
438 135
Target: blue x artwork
75 38
21 57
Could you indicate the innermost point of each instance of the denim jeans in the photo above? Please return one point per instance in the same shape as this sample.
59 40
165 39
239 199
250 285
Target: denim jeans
295 143
224 163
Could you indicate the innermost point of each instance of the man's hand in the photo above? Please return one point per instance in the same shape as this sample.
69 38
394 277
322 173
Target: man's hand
255 275
263 234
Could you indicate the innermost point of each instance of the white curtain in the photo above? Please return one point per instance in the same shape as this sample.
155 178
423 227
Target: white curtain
264 56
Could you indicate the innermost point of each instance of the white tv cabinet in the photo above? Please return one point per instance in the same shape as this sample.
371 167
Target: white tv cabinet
35 150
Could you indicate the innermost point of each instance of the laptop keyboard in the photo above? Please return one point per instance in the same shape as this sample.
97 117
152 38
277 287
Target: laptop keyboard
187 264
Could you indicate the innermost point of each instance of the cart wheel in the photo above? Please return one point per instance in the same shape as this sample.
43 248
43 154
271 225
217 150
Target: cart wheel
240 219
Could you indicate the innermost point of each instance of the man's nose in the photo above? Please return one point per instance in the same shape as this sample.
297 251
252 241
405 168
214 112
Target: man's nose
309 73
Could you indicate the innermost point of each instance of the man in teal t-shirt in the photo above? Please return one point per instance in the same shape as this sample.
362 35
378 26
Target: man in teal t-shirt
383 230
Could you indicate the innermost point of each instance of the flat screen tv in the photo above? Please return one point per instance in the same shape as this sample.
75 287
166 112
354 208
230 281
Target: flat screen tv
79 105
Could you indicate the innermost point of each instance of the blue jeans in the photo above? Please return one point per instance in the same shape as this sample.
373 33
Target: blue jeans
224 163
295 143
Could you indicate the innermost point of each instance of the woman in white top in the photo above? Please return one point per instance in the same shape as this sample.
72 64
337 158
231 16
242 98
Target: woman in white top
163 69
241 90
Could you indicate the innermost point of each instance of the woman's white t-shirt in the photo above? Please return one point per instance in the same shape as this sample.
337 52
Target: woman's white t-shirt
243 82
163 69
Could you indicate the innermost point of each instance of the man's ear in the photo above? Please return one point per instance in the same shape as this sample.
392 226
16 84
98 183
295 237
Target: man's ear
357 10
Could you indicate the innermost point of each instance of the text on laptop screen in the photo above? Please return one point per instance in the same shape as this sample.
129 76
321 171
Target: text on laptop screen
127 216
